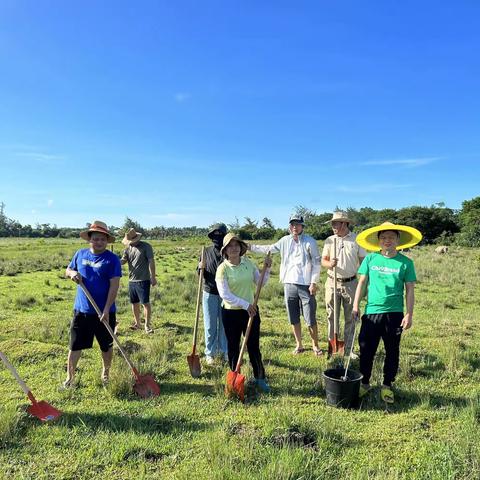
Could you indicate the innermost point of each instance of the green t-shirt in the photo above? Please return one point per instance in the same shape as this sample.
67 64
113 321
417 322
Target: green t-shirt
386 280
240 279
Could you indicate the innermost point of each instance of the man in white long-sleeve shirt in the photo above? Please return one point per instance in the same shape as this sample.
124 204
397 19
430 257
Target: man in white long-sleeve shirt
299 273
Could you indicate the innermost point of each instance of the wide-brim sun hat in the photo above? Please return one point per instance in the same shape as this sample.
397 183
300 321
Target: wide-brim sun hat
131 237
409 236
100 227
340 216
228 238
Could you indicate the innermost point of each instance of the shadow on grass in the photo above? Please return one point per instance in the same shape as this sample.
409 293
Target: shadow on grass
123 423
178 329
203 389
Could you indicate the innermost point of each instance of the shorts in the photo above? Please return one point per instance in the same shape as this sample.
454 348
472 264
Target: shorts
139 292
85 326
299 301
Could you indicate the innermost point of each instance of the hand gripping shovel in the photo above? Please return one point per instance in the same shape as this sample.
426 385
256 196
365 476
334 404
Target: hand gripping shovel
235 384
193 359
145 385
335 345
345 377
40 409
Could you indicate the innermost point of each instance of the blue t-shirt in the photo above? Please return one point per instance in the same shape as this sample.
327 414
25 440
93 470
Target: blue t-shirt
96 271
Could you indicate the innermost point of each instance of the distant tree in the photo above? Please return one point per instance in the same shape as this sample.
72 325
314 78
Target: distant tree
469 220
128 224
315 224
234 226
433 222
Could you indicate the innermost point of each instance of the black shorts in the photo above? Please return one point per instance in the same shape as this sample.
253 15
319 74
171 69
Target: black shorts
85 326
139 292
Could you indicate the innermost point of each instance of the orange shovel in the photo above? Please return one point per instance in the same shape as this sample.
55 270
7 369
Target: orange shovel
235 382
145 385
40 409
193 359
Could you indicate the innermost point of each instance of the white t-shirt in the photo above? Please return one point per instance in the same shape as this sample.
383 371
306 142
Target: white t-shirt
294 272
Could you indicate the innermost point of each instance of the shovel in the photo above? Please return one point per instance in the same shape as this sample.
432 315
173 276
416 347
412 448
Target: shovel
235 382
345 377
145 385
40 409
193 359
335 345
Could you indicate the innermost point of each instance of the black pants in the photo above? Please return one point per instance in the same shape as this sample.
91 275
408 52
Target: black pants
385 326
235 323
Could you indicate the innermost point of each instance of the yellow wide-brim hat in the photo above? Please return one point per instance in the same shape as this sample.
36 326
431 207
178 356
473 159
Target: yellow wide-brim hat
409 236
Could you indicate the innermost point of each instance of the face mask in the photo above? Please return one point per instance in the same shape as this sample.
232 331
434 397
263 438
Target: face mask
218 241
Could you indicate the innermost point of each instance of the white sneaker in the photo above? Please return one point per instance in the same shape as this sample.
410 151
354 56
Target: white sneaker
354 356
209 360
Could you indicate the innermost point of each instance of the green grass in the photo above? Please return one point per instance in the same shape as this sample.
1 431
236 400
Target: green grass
191 430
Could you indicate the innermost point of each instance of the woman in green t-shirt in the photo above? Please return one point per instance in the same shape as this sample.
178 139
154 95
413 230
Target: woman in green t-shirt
390 279
236 279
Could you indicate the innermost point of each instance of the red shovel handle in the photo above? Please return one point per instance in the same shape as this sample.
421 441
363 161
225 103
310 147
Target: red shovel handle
110 331
250 320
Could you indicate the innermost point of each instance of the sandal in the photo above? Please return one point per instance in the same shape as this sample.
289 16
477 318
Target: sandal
134 326
298 350
317 352
386 394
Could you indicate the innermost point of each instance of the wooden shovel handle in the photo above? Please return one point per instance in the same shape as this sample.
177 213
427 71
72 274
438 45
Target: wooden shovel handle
250 319
107 326
12 370
335 302
199 297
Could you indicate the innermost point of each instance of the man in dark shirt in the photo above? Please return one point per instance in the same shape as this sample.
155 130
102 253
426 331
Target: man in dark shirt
215 339
141 276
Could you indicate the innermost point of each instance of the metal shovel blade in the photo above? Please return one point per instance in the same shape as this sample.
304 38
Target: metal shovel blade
336 346
194 365
235 385
146 386
44 411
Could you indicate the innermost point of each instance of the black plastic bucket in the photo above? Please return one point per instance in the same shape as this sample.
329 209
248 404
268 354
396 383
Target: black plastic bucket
342 393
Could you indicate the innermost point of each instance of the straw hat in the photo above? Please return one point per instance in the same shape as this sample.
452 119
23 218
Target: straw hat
409 236
131 237
340 216
228 238
97 226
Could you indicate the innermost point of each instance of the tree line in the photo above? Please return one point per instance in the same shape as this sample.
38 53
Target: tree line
438 223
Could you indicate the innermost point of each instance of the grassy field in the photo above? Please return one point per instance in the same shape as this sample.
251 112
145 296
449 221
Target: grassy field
192 430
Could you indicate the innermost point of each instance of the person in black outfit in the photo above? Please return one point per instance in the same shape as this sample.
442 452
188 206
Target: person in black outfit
215 339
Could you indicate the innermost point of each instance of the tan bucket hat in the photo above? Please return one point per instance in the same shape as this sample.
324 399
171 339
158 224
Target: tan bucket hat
228 238
97 226
340 216
131 237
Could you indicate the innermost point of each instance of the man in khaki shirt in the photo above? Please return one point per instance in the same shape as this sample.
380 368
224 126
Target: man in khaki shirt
347 258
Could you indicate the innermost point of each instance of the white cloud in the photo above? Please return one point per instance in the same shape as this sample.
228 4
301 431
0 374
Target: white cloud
405 162
182 97
41 157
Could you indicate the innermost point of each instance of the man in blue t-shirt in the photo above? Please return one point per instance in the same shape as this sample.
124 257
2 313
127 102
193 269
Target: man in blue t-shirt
100 271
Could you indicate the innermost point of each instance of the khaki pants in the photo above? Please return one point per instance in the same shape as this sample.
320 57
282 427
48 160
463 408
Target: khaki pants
345 297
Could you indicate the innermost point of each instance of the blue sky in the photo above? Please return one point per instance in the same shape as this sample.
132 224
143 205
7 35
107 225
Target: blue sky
188 112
